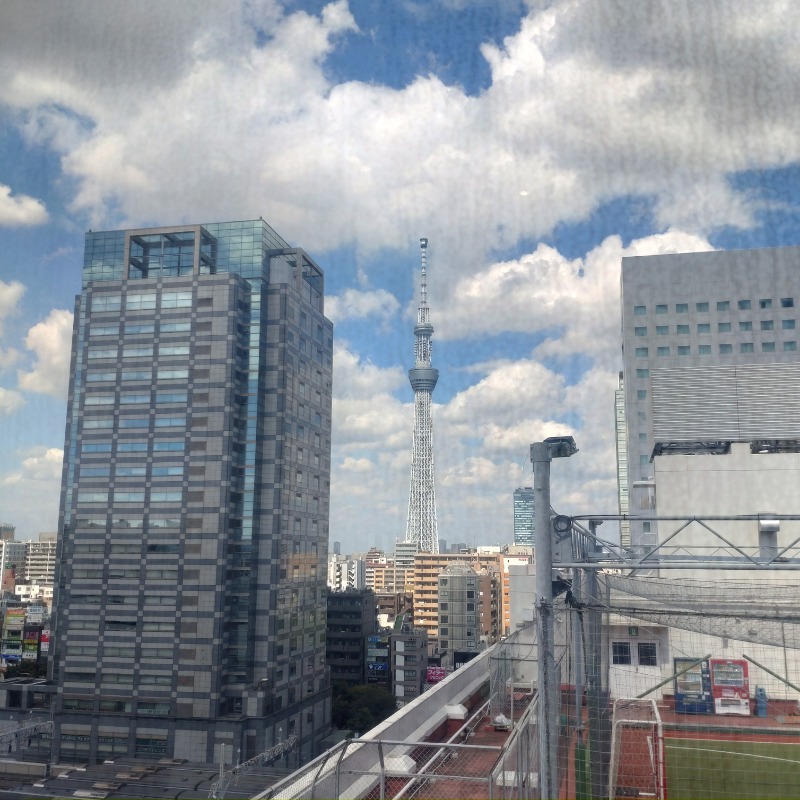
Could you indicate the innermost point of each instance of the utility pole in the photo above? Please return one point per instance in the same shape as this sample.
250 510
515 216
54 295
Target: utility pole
548 689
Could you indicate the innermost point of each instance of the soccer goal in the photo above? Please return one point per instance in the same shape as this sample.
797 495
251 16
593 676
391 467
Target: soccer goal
637 751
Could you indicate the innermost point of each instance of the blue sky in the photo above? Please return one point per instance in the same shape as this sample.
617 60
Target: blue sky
534 143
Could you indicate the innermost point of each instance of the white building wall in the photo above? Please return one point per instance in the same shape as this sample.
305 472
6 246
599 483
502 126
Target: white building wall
727 485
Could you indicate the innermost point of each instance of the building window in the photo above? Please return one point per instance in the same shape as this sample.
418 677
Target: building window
640 331
723 305
746 347
644 460
684 350
661 308
744 305
641 394
647 654
681 308
662 330
702 307
745 326
642 373
768 347
641 416
704 349
764 304
725 349
789 346
646 527
704 327
639 311
787 302
787 324
140 302
683 329
724 327
641 352
662 351
767 325
621 652
106 302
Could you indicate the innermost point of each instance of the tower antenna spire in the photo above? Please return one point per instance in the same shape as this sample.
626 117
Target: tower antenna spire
421 525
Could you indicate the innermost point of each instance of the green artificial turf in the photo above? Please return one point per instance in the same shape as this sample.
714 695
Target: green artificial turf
704 769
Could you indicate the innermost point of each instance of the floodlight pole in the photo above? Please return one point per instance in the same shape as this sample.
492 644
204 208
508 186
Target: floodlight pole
548 689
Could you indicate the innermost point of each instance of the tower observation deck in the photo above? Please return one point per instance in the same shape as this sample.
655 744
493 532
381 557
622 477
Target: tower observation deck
421 523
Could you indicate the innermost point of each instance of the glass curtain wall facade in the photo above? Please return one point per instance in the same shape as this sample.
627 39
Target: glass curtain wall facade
524 523
190 587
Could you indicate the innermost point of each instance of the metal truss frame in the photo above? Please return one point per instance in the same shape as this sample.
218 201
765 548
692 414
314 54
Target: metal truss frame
578 546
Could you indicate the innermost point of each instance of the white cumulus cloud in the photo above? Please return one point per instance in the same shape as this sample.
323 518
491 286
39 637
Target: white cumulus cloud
50 342
18 210
357 304
32 490
587 102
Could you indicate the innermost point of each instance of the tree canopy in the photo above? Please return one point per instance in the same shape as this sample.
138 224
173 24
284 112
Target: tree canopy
360 708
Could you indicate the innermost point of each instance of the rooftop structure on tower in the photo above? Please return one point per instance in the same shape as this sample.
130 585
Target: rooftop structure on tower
421 523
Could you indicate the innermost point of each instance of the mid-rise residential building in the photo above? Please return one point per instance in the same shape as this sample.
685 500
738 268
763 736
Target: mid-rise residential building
392 605
425 586
459 604
40 559
190 586
409 660
14 556
403 567
352 617
345 573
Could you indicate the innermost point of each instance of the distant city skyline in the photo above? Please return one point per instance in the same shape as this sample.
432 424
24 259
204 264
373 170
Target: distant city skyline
535 144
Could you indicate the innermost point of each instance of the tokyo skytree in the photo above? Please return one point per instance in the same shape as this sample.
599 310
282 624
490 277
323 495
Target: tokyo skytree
421 524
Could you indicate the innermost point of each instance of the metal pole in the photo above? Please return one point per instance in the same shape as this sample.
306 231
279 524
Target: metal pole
547 689
577 650
593 687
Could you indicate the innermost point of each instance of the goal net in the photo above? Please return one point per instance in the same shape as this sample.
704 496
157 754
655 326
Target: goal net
637 750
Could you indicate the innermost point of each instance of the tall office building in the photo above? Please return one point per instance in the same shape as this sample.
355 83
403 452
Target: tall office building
623 489
705 336
421 524
190 587
524 522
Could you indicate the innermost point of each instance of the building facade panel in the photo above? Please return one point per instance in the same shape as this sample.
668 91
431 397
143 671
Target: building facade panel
190 558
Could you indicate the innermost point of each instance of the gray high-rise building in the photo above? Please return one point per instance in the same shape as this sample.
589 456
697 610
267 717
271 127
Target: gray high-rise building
524 523
708 344
194 503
